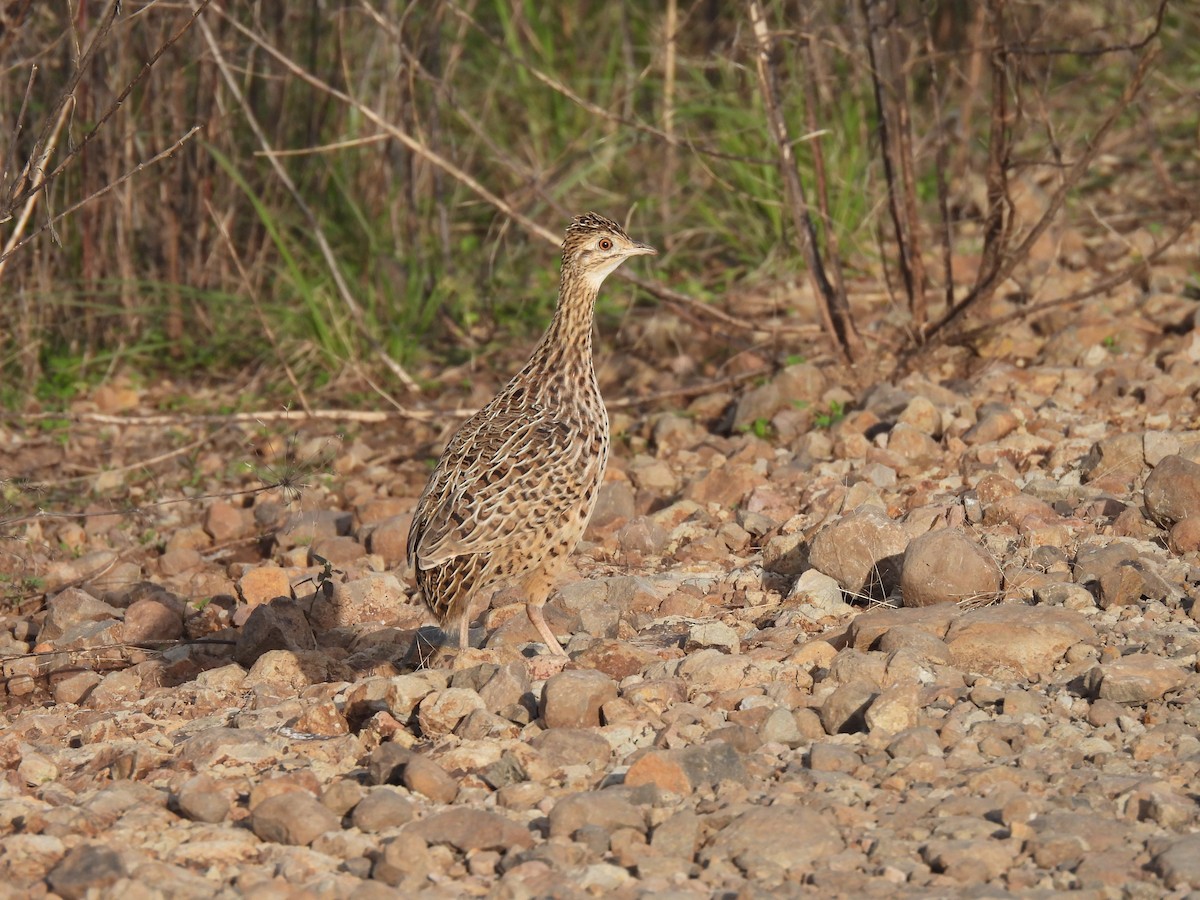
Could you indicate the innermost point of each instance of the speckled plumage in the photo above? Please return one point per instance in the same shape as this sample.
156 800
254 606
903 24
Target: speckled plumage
515 486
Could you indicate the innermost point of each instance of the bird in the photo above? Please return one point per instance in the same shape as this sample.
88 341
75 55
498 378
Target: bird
514 488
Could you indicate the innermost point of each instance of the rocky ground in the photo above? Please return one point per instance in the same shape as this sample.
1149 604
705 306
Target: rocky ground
945 644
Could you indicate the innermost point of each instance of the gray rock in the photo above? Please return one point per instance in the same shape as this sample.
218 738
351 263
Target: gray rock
86 869
946 566
277 625
373 598
683 771
385 764
73 607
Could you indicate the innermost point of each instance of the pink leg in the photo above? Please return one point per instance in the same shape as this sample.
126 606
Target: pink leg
539 622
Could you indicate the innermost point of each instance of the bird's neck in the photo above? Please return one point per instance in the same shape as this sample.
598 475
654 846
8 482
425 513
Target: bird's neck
565 351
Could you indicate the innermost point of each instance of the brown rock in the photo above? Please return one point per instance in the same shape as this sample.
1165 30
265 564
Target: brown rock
382 808
912 445
946 566
1185 535
296 818
606 810
423 776
1173 491
472 829
226 522
201 800
844 711
572 699
783 835
727 485
337 551
389 539
70 608
264 583
862 551
1026 639
374 598
1137 678
405 861
683 771
153 619
867 629
441 711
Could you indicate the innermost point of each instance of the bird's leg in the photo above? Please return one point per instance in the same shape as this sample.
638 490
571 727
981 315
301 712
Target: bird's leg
539 622
464 631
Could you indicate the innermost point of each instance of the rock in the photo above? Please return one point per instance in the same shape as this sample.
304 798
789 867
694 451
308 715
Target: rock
85 870
374 598
263 584
1172 491
991 427
201 800
382 808
562 747
1121 585
1136 678
895 710
726 486
423 776
712 634
921 414
968 861
296 818
606 810
803 383
278 625
178 560
683 771
572 699
861 551
472 829
225 522
153 619
845 709
70 608
1026 639
783 835
386 763
441 711
1178 864
405 860
946 566
868 629
389 539
302 528
1116 460
615 502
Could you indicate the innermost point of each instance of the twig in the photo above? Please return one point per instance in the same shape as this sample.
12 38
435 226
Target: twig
1012 259
335 270
835 310
104 190
1115 280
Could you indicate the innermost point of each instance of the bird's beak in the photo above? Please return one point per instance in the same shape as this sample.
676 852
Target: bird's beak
636 249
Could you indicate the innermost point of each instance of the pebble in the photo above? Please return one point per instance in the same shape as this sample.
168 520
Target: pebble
946 566
296 818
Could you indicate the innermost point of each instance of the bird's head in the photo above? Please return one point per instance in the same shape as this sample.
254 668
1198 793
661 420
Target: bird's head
595 246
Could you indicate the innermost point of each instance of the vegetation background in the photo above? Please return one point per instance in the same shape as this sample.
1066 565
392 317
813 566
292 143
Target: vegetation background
327 196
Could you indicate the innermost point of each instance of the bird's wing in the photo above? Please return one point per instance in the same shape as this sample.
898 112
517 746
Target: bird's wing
503 472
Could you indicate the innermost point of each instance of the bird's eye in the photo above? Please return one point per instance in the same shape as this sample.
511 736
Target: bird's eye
605 244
